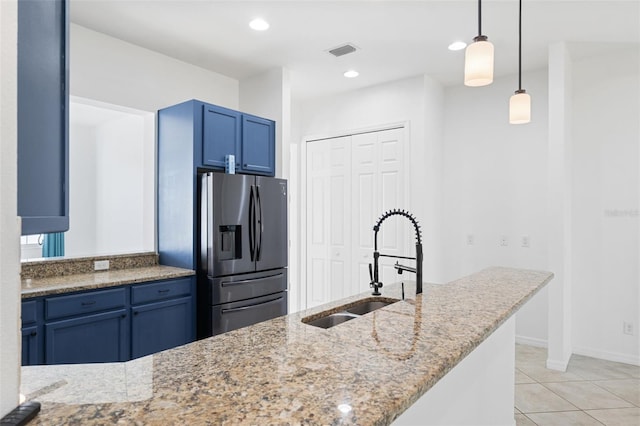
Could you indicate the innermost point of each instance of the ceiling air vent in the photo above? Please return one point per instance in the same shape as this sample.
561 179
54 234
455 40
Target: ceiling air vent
342 50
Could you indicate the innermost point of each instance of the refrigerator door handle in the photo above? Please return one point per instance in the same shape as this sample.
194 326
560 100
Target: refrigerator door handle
259 236
206 220
252 225
252 305
249 281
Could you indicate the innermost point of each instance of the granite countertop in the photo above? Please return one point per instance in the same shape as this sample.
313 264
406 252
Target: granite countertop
282 371
34 287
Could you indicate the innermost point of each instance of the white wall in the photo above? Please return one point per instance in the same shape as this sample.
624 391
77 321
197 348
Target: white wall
390 103
110 70
606 135
9 221
427 173
494 185
81 238
112 175
120 172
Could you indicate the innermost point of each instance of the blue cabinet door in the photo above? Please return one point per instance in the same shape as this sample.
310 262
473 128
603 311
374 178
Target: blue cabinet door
161 325
30 346
258 145
100 337
43 116
32 338
221 135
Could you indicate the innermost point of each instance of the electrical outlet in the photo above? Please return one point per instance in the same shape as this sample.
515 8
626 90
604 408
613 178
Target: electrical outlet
504 241
101 265
627 328
470 239
526 243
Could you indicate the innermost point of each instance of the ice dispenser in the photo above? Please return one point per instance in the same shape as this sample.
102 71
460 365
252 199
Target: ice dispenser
230 242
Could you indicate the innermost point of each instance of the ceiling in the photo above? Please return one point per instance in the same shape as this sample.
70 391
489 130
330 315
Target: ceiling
397 39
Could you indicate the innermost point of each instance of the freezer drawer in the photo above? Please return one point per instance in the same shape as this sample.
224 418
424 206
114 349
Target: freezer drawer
247 286
231 316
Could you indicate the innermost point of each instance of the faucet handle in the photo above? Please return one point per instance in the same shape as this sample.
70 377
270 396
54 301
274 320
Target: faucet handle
371 272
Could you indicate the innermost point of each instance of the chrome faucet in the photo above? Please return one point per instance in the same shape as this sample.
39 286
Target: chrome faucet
374 274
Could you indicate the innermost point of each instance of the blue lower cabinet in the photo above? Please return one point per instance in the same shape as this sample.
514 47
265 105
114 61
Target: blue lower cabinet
32 336
100 337
161 325
108 325
30 346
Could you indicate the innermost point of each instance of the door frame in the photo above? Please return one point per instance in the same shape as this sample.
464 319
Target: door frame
301 302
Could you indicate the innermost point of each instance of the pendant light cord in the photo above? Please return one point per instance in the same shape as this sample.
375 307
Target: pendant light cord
520 47
480 17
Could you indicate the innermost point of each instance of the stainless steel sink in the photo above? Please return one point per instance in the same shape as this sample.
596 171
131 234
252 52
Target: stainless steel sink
348 312
366 306
331 320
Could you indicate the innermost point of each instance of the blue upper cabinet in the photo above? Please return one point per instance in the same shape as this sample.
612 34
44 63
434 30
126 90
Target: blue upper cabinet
194 135
43 116
221 135
249 138
258 145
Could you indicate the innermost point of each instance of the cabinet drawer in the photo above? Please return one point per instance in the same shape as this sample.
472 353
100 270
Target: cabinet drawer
145 293
29 312
78 304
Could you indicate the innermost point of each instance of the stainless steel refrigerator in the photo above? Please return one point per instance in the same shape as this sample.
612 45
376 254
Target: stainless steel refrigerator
243 244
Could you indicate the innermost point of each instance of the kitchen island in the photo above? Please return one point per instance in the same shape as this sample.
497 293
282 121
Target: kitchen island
366 371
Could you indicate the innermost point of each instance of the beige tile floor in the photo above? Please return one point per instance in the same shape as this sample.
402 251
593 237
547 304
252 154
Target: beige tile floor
590 392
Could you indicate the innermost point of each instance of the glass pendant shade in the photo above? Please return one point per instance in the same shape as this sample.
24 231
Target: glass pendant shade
520 108
478 63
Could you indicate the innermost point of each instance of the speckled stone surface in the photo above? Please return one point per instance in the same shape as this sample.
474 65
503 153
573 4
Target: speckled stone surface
34 287
286 372
54 267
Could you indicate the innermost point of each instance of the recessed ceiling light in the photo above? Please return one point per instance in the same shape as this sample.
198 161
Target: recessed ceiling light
457 45
351 74
259 24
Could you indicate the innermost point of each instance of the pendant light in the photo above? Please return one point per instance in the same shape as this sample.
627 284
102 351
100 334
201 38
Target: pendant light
520 102
478 58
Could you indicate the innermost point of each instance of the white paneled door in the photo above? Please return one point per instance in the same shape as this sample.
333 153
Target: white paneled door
328 204
351 180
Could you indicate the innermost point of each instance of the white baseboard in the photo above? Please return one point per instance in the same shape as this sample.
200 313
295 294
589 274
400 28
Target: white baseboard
531 341
558 365
580 350
606 355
